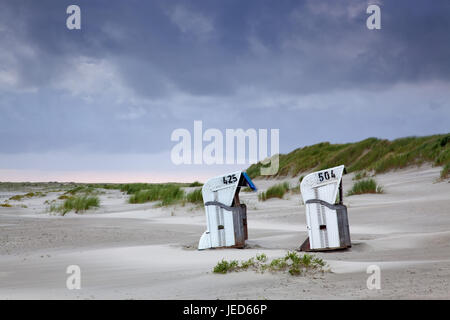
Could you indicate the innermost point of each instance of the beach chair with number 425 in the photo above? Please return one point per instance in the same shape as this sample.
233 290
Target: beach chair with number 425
226 217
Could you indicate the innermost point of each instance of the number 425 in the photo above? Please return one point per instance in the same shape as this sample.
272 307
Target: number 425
229 179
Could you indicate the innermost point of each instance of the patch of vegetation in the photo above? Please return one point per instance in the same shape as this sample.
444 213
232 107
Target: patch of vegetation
77 203
225 266
82 189
292 262
195 197
445 173
165 193
247 189
132 188
365 186
17 197
371 154
5 205
20 197
20 186
275 191
107 186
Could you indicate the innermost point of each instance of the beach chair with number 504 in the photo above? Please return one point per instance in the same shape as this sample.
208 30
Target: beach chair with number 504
326 216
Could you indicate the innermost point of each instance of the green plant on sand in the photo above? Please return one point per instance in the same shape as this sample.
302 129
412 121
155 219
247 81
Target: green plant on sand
275 191
20 197
365 186
78 204
165 193
292 262
195 196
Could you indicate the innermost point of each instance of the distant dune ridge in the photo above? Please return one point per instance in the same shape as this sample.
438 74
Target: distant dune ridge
372 154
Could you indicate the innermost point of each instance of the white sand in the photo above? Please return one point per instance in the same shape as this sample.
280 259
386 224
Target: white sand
137 251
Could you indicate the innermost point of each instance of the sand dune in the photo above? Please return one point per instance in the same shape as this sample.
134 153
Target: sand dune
137 251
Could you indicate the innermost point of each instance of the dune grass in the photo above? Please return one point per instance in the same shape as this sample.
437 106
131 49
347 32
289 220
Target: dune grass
64 197
20 197
292 262
275 191
132 188
195 197
77 203
445 173
20 186
371 154
82 189
365 186
108 186
17 197
165 193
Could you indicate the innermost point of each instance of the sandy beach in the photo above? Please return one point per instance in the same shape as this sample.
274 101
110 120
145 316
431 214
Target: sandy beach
138 251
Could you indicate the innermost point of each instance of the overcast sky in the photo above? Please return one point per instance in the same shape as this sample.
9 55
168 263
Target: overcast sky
100 103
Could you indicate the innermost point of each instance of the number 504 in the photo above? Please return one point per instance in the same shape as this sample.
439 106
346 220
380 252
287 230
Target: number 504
326 175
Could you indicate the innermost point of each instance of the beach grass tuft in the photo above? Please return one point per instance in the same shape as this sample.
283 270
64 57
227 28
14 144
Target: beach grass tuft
224 266
76 203
275 191
20 197
195 196
365 186
165 193
445 173
82 190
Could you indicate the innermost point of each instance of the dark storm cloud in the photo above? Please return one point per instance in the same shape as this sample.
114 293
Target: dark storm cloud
139 69
306 49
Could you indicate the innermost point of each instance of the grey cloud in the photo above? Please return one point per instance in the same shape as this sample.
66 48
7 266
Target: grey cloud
153 66
309 49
